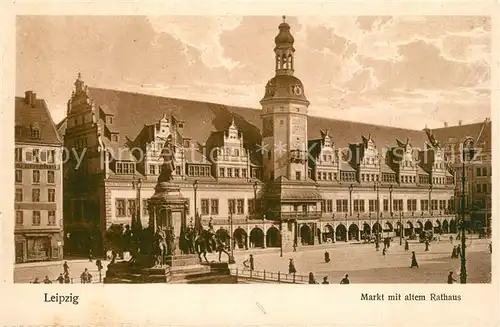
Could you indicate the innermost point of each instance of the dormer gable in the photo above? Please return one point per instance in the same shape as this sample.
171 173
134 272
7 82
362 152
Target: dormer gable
406 153
232 134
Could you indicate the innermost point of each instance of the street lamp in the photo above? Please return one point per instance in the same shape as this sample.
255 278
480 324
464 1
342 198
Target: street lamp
136 221
376 188
197 223
350 199
231 238
467 146
255 198
401 229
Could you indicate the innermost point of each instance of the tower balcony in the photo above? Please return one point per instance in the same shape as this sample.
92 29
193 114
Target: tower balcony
298 156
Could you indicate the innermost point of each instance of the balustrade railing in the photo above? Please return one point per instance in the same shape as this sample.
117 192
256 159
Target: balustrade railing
269 276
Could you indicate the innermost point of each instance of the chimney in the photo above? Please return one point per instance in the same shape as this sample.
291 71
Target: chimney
487 120
30 98
28 95
460 123
445 124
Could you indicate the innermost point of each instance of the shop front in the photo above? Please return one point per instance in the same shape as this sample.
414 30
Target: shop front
38 247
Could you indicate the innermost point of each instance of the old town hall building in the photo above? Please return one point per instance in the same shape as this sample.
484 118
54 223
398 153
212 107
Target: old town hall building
270 177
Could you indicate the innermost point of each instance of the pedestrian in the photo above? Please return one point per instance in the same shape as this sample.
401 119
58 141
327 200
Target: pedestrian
325 280
47 280
60 279
407 246
249 263
414 262
113 256
90 254
295 246
66 267
459 254
86 277
36 281
291 267
312 280
98 263
451 239
67 280
450 278
383 251
454 252
252 264
426 245
327 256
345 280
491 247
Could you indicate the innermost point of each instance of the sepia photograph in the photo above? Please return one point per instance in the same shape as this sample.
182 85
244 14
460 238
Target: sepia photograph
253 150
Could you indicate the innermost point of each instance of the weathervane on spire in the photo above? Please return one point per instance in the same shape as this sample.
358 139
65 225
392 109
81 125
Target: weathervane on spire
284 19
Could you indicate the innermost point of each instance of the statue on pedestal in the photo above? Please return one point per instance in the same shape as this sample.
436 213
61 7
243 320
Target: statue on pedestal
168 166
160 249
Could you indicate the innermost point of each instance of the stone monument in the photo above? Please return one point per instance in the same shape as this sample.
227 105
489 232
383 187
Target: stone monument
167 207
159 259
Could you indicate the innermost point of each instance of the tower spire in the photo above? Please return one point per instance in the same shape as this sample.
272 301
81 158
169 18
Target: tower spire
284 49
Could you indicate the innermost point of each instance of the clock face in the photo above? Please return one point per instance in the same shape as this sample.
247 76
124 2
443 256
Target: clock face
297 90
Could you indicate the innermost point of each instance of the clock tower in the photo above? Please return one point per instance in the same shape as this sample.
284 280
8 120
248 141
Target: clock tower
284 115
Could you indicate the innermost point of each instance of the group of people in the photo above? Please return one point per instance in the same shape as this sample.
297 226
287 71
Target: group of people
456 252
64 277
312 280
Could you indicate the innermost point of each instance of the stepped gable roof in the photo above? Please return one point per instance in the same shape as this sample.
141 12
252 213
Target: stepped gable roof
133 110
38 115
456 134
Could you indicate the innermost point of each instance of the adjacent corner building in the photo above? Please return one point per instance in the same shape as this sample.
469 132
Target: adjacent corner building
38 182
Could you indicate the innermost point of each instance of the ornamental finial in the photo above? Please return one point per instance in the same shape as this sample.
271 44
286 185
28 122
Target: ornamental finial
284 19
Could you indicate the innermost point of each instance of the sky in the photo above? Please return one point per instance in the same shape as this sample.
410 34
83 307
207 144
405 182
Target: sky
403 71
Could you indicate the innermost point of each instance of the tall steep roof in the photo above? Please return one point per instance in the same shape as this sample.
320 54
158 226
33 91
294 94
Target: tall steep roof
35 115
134 110
480 132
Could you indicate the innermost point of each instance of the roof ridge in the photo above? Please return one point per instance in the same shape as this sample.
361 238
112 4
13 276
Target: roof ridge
249 108
56 131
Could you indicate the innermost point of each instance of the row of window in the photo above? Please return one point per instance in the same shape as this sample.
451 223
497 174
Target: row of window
35 155
35 195
369 177
34 131
439 180
36 218
197 170
127 207
397 205
236 172
324 176
35 176
408 179
80 143
226 152
389 178
483 171
483 188
125 168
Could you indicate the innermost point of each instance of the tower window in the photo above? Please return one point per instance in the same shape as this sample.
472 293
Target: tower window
298 175
281 122
269 155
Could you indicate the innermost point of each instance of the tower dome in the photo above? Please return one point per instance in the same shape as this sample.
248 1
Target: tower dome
284 37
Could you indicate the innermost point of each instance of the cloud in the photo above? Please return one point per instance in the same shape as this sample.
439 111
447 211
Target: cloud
202 33
373 69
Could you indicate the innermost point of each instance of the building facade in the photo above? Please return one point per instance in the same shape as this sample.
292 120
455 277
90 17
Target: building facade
38 182
270 177
478 171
